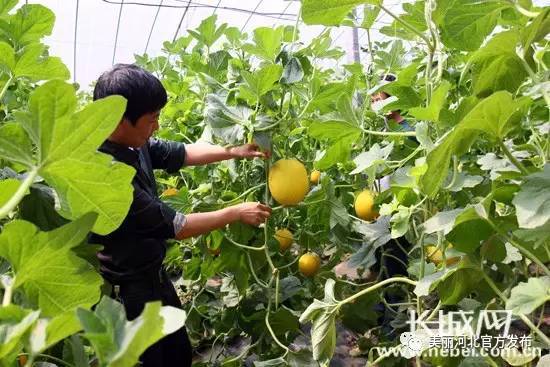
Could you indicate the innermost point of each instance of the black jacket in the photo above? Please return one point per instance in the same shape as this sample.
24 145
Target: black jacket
137 248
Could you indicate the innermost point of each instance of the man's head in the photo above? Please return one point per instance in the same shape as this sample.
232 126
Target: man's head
145 95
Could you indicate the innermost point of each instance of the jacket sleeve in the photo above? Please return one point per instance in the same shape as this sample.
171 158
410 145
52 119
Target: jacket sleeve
150 217
166 155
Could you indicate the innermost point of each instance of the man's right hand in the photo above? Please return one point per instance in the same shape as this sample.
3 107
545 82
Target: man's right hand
252 213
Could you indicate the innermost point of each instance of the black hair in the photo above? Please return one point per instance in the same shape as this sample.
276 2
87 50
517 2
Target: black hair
388 77
143 91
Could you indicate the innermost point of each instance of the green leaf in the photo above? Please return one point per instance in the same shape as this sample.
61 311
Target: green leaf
7 58
406 97
6 6
59 328
283 321
338 152
373 158
496 66
323 316
539 235
66 142
370 13
532 202
442 221
293 72
465 24
119 343
413 14
39 208
7 189
92 183
15 144
495 116
267 43
226 122
290 286
29 24
527 297
333 130
535 32
33 64
454 287
327 96
52 276
206 32
469 231
431 112
375 234
261 81
392 59
400 222
14 324
329 12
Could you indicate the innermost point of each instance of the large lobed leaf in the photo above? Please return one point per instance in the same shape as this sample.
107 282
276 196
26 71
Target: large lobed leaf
118 342
329 12
65 142
527 297
29 24
52 275
532 202
465 24
323 316
496 66
496 116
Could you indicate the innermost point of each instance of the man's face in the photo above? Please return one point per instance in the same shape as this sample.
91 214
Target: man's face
137 135
380 96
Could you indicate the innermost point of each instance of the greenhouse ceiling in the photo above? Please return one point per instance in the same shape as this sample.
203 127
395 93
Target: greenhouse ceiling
91 35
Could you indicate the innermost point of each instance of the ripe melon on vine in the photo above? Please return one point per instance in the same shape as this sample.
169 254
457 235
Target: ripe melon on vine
315 176
284 237
364 206
288 181
435 255
309 264
171 191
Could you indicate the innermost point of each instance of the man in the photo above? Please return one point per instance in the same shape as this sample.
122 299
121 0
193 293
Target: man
393 115
392 258
133 254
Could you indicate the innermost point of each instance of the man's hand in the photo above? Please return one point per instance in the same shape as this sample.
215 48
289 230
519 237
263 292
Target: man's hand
248 151
252 213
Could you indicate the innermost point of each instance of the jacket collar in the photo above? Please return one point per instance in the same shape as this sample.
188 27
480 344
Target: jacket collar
120 152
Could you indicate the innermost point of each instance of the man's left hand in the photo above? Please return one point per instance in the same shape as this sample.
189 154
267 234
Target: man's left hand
248 151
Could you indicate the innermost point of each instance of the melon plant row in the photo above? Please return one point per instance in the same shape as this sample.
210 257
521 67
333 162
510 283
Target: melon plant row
464 194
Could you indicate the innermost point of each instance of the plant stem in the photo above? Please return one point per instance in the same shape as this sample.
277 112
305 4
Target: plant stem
253 272
244 246
6 300
523 11
375 287
277 291
19 194
512 159
390 133
269 325
254 188
524 318
6 86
